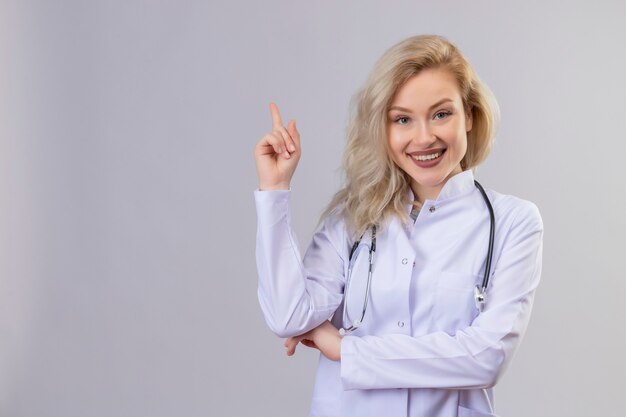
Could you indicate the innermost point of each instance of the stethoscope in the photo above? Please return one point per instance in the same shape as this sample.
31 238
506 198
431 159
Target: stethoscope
479 290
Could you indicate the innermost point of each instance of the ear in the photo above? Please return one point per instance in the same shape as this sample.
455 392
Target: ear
468 121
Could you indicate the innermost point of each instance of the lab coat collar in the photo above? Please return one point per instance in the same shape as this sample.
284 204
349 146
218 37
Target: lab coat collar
460 184
457 185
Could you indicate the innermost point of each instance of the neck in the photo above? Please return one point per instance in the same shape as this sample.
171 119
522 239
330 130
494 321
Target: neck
422 192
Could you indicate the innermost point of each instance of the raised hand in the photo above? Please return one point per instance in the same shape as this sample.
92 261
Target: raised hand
277 154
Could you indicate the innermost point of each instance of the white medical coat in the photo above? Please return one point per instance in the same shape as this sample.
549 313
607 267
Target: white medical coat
423 348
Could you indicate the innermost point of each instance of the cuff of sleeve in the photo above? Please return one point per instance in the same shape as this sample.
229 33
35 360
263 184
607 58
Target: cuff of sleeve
272 205
352 375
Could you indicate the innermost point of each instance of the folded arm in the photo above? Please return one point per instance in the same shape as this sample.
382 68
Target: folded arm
473 357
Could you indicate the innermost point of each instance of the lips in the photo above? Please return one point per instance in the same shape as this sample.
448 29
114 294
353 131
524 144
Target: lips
427 159
425 156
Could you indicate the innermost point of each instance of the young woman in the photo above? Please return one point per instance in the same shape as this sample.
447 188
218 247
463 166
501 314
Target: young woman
418 285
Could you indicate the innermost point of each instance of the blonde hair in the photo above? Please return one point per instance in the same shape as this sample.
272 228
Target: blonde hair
375 188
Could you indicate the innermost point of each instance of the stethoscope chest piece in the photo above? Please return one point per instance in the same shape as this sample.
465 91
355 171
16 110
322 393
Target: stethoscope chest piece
479 298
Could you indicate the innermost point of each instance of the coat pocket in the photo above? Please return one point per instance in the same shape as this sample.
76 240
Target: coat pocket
455 307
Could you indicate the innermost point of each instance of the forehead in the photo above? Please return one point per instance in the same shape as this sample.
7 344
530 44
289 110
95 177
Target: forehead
427 87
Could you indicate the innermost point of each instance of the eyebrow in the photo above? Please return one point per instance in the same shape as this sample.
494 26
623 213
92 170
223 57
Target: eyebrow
440 102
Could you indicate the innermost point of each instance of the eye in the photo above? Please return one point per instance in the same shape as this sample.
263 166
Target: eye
402 120
441 115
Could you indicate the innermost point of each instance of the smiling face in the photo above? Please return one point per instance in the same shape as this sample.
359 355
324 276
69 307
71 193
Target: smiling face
427 130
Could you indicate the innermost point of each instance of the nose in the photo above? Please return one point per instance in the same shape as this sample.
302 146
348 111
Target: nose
423 136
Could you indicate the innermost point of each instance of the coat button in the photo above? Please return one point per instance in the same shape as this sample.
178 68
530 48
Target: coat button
432 209
400 324
404 261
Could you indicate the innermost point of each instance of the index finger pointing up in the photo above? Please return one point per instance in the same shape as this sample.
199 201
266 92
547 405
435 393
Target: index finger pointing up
276 120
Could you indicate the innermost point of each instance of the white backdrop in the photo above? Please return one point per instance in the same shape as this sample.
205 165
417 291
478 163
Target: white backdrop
127 224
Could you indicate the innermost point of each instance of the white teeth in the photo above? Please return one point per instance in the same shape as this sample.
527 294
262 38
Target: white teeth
426 157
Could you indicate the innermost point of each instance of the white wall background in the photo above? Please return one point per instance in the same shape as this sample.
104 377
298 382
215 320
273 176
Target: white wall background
127 225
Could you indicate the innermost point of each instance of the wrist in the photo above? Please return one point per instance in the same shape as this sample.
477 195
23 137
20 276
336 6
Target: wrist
338 348
274 187
333 351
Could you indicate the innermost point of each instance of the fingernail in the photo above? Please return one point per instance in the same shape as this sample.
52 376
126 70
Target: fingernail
287 155
281 150
291 147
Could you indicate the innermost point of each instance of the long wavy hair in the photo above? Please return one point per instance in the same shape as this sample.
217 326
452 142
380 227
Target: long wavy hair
375 188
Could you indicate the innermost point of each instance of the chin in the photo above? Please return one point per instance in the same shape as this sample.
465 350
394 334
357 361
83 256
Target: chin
431 180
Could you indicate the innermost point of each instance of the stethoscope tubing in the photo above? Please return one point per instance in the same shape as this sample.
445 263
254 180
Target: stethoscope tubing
372 254
492 233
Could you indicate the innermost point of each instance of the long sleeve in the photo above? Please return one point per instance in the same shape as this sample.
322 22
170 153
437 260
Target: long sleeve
473 357
296 294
